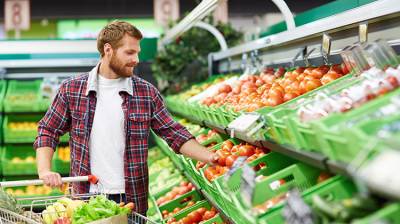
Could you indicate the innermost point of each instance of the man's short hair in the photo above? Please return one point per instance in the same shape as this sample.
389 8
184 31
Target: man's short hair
113 32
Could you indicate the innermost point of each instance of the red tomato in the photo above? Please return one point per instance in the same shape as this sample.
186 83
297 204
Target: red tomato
201 210
225 88
230 160
208 215
246 150
316 73
289 96
275 100
329 77
313 84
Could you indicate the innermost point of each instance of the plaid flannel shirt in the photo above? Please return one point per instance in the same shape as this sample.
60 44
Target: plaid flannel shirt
73 110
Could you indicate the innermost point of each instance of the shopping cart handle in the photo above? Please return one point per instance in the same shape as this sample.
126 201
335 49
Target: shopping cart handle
90 178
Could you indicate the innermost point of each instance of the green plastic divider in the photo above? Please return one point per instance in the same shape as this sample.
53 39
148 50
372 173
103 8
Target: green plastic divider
388 214
181 202
25 96
335 188
20 135
18 160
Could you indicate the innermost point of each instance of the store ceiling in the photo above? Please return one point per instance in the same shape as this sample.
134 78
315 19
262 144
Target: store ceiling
134 8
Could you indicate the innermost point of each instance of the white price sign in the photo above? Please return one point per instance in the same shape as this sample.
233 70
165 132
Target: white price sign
17 14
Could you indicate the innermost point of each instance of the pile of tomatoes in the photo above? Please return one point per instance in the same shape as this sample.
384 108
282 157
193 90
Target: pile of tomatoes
272 88
227 155
204 137
177 191
196 216
167 214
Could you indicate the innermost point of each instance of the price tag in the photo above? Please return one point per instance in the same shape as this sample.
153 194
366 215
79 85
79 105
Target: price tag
381 173
236 165
296 211
326 47
247 184
363 32
244 122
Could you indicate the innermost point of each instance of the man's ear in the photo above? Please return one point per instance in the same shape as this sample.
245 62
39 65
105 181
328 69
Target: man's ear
108 51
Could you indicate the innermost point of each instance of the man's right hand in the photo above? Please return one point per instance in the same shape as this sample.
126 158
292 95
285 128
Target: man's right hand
51 179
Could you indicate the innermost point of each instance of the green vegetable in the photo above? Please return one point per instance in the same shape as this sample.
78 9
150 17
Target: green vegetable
97 208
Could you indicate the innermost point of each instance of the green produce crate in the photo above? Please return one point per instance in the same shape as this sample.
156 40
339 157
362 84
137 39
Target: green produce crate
152 212
173 181
335 188
201 204
155 154
168 151
13 160
3 87
59 165
230 190
24 96
181 202
20 136
279 130
388 214
338 135
297 175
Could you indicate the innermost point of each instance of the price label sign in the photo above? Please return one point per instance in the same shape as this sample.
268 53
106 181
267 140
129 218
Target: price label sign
363 32
17 14
326 47
248 184
296 211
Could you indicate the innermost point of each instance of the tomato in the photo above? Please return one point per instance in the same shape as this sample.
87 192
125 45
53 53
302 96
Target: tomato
298 71
251 158
393 81
246 150
313 84
323 176
186 220
345 69
329 77
235 149
190 203
275 100
289 96
176 210
274 92
337 68
230 160
302 87
225 88
208 215
201 210
196 216
316 73
208 174
301 77
200 165
227 145
324 68
308 71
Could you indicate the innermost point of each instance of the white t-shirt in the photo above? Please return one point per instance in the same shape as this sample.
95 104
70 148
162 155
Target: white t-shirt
107 138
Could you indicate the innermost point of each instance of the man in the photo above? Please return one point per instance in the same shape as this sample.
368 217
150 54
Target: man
109 113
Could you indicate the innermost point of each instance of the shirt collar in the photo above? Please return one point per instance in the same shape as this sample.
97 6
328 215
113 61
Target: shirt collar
92 84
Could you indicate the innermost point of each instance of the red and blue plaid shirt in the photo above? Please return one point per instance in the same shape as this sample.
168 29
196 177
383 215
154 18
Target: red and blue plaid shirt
73 110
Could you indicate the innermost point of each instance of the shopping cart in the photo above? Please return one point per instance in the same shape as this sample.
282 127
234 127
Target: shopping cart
30 214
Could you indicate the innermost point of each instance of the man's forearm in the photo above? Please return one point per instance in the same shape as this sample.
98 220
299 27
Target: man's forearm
196 151
44 156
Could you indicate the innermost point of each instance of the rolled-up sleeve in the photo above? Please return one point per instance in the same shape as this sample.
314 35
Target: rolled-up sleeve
55 123
165 127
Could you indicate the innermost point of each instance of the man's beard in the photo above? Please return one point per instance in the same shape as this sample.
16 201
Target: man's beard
122 70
